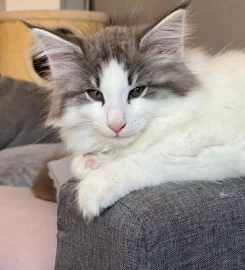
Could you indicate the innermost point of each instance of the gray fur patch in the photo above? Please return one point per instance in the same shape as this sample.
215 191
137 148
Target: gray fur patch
121 43
163 75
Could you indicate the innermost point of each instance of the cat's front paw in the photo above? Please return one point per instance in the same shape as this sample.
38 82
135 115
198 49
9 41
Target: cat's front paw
81 165
98 191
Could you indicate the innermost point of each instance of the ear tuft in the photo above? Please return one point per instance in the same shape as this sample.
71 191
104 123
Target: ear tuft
167 36
58 51
52 45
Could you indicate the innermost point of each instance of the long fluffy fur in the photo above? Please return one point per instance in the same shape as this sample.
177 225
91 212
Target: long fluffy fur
187 124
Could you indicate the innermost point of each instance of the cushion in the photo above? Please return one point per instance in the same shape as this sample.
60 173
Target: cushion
23 111
27 231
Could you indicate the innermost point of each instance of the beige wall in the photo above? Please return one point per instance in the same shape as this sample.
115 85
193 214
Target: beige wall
31 4
2 5
43 4
219 23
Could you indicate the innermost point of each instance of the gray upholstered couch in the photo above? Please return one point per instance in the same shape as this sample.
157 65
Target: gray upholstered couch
175 226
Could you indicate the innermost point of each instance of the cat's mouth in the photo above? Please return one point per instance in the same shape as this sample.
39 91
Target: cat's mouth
120 137
122 141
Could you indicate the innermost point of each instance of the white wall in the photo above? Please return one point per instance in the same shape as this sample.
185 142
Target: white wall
31 4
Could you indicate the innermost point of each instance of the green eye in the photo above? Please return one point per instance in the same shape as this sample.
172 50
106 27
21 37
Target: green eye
95 95
136 92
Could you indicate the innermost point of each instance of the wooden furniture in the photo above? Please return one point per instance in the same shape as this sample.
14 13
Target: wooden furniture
14 36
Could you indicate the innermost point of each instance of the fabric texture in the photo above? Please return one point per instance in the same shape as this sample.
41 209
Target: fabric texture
175 226
23 111
27 231
59 172
19 165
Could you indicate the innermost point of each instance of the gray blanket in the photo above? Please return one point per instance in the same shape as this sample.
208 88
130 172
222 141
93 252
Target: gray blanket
23 111
19 165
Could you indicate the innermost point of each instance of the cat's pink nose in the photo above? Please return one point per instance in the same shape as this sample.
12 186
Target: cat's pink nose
117 127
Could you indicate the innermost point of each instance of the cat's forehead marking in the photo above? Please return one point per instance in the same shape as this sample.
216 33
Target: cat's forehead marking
95 81
114 77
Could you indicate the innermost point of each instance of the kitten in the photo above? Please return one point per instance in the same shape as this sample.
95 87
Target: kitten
148 109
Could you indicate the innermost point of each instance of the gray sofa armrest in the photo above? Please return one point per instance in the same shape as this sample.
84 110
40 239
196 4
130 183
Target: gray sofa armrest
190 225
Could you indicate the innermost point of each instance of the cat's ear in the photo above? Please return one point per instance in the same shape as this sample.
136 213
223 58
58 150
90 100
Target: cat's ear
59 51
167 36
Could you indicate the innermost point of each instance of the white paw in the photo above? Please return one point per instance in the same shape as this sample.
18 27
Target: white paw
98 191
81 165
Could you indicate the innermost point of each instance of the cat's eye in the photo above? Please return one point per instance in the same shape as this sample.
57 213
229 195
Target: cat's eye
136 92
95 95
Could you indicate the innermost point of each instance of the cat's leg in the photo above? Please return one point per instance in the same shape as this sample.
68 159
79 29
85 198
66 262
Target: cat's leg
101 188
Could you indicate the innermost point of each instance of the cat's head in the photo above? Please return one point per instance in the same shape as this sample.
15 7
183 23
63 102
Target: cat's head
110 86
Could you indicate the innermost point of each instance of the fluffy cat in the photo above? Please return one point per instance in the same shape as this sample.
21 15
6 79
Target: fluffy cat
146 108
